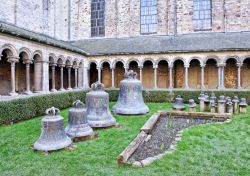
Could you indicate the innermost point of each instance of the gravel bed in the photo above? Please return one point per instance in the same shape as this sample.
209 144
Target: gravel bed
163 134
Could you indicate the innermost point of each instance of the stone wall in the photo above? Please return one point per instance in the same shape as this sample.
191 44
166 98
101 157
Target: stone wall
70 19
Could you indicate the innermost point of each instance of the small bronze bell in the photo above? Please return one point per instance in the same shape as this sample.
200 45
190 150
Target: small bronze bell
235 104
98 113
130 100
53 136
202 101
222 104
213 97
229 106
243 105
213 107
192 105
77 122
179 106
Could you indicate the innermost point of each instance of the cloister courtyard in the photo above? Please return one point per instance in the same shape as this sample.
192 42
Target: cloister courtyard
213 149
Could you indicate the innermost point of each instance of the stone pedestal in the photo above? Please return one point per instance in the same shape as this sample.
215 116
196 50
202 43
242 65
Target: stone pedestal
221 107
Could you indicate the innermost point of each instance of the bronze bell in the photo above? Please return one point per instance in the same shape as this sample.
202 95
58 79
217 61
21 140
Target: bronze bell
98 113
229 106
243 105
130 100
178 105
192 105
77 122
213 97
235 104
53 136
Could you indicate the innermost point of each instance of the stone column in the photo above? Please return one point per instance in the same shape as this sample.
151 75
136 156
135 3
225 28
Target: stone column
140 67
155 76
13 61
76 83
80 77
28 92
53 67
69 78
222 77
186 77
61 78
99 74
171 77
85 77
239 75
113 77
202 77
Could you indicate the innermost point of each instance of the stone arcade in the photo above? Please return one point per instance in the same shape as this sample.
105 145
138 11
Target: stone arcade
48 46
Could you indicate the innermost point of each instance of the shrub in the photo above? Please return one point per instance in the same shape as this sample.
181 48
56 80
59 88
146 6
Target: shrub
26 108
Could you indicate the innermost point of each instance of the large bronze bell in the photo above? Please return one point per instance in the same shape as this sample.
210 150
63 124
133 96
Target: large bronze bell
178 105
77 122
53 136
130 100
98 113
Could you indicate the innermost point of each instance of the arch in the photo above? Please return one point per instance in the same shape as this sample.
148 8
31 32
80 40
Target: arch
148 59
231 73
92 61
131 60
106 74
245 72
75 63
119 72
25 51
105 61
176 59
5 76
194 74
163 73
148 75
162 59
178 73
211 73
214 57
236 58
93 73
116 61
10 50
195 58
68 62
36 54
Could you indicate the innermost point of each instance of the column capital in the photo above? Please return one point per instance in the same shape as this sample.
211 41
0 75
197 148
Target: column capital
155 66
28 61
238 64
53 65
186 66
12 59
68 66
61 65
221 65
203 65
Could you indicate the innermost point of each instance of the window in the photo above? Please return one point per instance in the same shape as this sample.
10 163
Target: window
148 16
97 18
202 14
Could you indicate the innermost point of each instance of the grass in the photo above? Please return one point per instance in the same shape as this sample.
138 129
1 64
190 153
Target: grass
204 150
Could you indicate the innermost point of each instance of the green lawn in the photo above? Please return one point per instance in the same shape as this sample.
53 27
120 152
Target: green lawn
204 150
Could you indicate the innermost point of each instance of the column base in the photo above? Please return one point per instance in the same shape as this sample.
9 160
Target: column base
75 88
186 87
221 87
13 94
53 90
170 87
28 92
239 88
61 89
69 88
203 87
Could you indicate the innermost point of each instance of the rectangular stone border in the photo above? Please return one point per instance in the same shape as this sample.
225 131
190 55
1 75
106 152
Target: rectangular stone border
148 126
